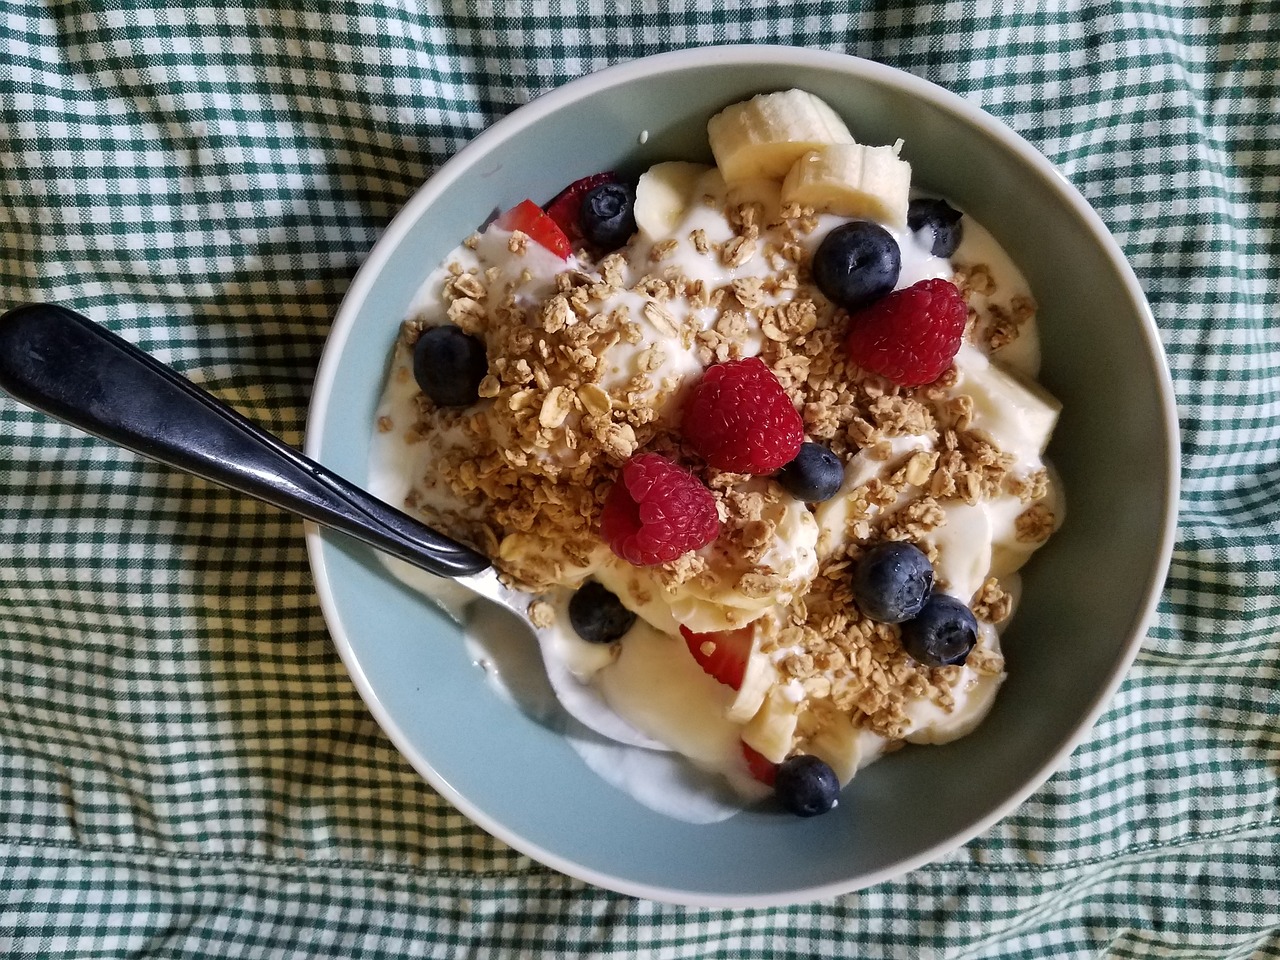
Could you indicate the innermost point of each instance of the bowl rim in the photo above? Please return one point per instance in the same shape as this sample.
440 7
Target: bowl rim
740 55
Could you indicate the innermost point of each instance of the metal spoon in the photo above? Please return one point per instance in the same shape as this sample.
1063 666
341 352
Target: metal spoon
65 365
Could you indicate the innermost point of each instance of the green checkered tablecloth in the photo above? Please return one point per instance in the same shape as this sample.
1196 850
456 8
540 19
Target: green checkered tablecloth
185 768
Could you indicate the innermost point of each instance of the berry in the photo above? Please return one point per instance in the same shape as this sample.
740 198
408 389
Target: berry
942 633
892 581
721 653
939 217
856 264
806 785
910 336
529 218
598 615
759 766
814 475
657 511
738 418
564 208
449 365
607 216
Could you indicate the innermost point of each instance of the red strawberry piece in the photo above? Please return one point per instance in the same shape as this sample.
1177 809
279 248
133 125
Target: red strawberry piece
657 511
721 653
909 336
760 766
529 218
739 418
564 208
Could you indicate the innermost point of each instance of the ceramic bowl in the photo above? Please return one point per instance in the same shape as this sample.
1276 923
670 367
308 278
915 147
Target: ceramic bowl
1088 594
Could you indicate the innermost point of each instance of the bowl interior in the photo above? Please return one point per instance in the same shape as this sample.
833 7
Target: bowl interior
1087 595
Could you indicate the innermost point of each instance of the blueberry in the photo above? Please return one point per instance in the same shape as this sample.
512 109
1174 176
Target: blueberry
892 581
940 217
814 475
941 634
449 365
856 264
806 786
598 615
607 215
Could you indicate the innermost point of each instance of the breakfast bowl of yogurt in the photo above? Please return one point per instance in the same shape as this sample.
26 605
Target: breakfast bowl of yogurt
819 433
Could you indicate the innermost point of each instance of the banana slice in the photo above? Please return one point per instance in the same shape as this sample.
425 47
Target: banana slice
833 515
974 694
1017 414
851 180
771 732
838 744
664 193
759 677
964 548
764 136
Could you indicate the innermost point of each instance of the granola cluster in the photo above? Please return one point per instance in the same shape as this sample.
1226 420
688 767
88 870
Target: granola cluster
558 423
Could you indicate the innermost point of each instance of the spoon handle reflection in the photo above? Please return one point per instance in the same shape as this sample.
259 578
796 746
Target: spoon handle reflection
69 367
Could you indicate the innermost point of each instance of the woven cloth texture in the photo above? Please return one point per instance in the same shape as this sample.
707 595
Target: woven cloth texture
186 769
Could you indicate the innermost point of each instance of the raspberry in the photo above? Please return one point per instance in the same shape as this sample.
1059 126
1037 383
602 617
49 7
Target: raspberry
739 418
657 511
909 336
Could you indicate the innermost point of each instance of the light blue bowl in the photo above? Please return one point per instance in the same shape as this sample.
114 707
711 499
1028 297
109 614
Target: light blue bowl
1088 594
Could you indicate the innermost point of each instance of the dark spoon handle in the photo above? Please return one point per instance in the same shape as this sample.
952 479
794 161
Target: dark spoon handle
65 365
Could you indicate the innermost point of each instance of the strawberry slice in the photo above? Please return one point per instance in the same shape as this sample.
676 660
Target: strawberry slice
761 767
564 208
530 219
721 653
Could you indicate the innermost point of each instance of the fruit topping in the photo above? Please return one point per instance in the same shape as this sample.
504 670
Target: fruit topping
607 215
530 219
856 264
909 336
664 193
721 653
941 218
760 766
814 475
738 418
764 136
806 786
657 511
449 365
598 615
563 209
942 633
892 581
851 180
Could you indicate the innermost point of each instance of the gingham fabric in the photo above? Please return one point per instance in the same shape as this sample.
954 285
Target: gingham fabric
185 768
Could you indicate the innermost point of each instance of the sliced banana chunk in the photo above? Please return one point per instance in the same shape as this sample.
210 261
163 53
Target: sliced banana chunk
1017 414
1008 551
833 515
664 193
764 136
759 677
838 744
771 732
719 601
851 180
975 695
964 548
